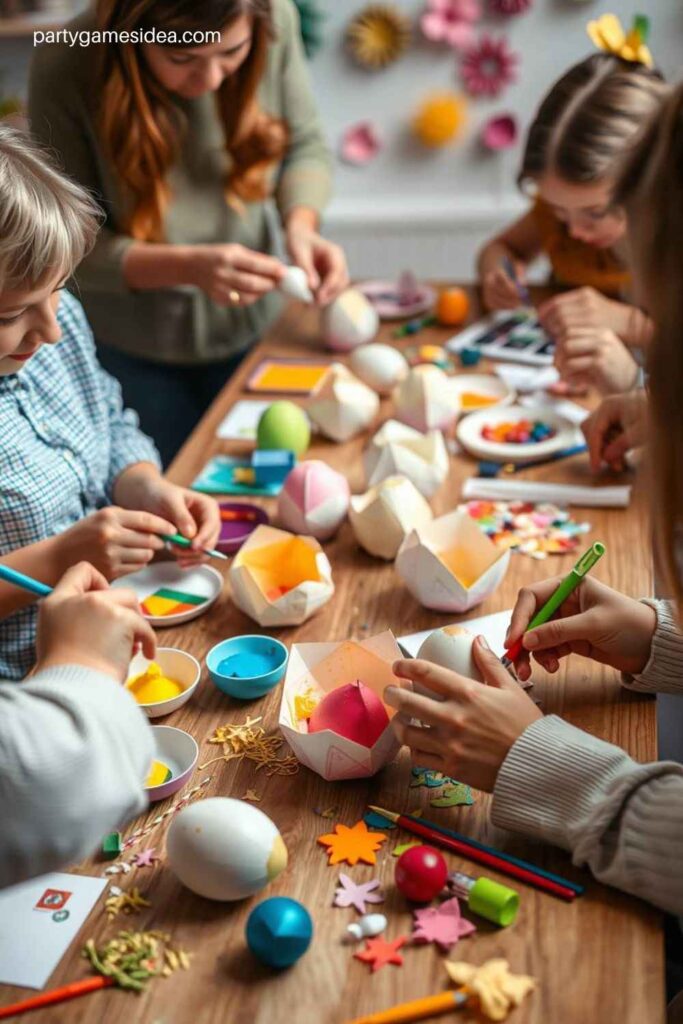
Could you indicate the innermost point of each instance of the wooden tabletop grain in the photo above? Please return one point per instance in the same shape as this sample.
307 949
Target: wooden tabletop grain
597 960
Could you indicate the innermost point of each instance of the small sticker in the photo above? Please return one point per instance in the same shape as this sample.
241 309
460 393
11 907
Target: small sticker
60 915
53 899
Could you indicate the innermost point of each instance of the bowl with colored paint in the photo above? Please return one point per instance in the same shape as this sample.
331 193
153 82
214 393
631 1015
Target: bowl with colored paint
175 758
481 391
247 666
164 684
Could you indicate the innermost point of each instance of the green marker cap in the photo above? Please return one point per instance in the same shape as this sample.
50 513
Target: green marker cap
494 901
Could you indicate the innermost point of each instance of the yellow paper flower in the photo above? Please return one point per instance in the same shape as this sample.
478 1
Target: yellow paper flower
378 35
607 34
440 119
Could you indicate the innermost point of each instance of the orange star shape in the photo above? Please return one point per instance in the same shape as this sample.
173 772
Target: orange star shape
379 952
352 844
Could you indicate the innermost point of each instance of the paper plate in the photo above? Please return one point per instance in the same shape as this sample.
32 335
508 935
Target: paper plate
233 534
487 385
384 297
470 427
169 595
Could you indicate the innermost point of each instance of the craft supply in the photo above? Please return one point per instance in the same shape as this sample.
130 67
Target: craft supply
268 468
183 542
452 307
284 425
420 873
250 741
247 667
379 952
158 774
439 119
361 143
304 705
124 902
146 858
238 521
522 291
348 321
366 927
166 601
492 627
376 821
518 432
357 894
241 421
379 366
434 355
287 376
495 989
353 711
458 795
341 405
377 35
112 846
489 899
279 931
557 599
352 844
132 958
218 477
177 753
225 849
19 579
427 399
169 595
414 327
399 450
57 995
295 284
535 530
443 925
145 830
536 491
314 500
152 685
515 867
492 469
451 22
513 336
383 517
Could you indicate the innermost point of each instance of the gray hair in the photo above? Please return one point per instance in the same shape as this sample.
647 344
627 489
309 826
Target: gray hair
47 222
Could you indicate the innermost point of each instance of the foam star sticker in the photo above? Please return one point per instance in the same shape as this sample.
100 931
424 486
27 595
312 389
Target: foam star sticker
353 894
442 925
379 952
352 844
146 858
497 990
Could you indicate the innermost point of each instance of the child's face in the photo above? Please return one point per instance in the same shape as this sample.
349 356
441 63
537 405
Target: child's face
27 321
586 210
192 71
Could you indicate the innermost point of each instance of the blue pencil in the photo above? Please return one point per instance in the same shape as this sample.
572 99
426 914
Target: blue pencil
491 469
26 582
522 290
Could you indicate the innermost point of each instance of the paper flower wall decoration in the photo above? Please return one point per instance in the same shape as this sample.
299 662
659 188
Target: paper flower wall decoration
451 22
440 119
510 7
352 844
378 35
442 925
499 132
311 19
360 143
488 67
607 34
497 990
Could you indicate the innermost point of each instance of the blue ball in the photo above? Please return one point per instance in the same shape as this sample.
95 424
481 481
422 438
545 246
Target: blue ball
279 931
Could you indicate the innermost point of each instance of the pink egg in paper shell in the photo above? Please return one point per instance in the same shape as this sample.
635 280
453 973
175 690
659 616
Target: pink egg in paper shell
353 711
314 499
500 132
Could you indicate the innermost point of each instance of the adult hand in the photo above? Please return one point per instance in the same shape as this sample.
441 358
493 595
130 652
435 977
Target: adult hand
597 357
84 623
499 290
322 260
582 309
115 540
468 733
594 621
231 274
615 427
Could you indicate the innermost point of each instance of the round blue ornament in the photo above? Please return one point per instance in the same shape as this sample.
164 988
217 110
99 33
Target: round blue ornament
279 931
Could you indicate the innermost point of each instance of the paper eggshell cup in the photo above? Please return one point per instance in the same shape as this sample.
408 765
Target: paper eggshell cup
323 668
450 565
175 664
399 449
383 516
180 752
340 405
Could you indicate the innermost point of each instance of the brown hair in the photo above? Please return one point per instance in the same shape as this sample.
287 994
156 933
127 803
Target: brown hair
589 117
651 188
141 125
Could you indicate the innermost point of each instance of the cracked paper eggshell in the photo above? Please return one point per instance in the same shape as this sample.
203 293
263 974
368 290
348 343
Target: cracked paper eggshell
383 516
340 405
450 565
350 320
426 399
399 449
314 500
379 366
323 668
280 579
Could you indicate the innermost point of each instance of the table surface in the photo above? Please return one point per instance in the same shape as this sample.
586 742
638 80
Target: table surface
598 958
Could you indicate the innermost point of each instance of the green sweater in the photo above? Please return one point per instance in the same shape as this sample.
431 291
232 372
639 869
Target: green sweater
180 325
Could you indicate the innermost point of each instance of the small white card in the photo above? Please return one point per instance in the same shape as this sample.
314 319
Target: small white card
241 421
493 627
40 919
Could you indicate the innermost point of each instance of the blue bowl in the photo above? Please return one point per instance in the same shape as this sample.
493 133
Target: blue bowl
247 666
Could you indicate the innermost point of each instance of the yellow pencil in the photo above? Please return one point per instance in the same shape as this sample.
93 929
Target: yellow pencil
418 1009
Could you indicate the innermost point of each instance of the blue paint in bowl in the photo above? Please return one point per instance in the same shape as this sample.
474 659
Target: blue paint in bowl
247 666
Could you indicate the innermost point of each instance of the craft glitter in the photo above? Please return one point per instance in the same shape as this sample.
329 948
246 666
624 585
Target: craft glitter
535 530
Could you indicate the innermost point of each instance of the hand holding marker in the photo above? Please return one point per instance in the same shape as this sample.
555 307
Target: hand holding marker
522 290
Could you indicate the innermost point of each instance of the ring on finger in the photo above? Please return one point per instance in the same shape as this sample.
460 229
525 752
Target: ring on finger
234 297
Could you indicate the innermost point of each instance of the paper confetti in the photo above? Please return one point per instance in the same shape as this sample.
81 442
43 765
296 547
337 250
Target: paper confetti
357 894
430 779
535 530
325 812
132 958
379 952
453 796
145 859
352 844
251 795
249 740
124 902
497 990
402 847
378 821
442 925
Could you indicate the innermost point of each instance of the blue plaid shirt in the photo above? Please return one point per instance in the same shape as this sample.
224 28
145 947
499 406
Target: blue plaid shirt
64 439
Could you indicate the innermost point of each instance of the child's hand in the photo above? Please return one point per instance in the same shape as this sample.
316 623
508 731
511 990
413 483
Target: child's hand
595 621
117 541
614 428
468 734
596 357
84 623
499 290
582 309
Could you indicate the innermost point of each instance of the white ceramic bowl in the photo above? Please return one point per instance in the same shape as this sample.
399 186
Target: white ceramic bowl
180 752
175 664
482 384
469 434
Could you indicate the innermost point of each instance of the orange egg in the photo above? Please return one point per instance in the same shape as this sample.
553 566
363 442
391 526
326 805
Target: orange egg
452 307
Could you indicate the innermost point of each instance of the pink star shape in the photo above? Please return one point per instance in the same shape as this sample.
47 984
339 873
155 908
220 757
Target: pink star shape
442 925
352 894
146 858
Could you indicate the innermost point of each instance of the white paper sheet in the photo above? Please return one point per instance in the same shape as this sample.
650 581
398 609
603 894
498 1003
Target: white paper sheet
571 411
39 921
526 378
241 421
493 627
501 489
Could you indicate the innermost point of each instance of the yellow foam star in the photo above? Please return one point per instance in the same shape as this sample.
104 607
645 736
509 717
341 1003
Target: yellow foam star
352 844
497 990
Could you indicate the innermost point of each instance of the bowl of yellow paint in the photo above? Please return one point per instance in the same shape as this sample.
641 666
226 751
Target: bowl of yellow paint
175 758
164 684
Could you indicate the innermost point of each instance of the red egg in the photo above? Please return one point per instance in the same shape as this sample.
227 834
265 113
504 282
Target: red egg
421 873
353 711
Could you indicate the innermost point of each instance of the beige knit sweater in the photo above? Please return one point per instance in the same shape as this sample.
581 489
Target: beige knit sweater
622 819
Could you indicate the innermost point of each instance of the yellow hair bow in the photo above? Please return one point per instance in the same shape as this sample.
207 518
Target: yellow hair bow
607 34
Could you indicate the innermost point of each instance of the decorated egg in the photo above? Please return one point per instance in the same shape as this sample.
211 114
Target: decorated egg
451 647
314 500
421 873
225 849
353 711
379 366
284 425
350 320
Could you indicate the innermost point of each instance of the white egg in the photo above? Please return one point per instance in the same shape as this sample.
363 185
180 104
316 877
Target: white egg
350 320
379 366
449 647
295 284
225 849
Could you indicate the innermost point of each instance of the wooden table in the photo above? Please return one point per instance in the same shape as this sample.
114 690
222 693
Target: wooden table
600 959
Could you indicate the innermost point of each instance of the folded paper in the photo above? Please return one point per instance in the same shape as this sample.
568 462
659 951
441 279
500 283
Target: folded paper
427 399
350 320
280 579
341 406
383 516
450 565
314 499
399 449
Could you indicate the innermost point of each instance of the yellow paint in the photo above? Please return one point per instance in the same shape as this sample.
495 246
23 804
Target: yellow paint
474 400
158 774
463 564
277 860
305 704
153 686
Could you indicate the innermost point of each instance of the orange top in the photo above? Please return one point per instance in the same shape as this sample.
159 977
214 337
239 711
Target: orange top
576 263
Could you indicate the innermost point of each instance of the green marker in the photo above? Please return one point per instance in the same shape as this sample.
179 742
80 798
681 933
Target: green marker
566 587
183 542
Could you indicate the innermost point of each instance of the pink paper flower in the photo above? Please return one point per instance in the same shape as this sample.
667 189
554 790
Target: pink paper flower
510 7
451 22
488 66
360 143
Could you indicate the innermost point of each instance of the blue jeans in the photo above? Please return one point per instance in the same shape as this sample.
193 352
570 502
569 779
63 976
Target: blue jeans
170 400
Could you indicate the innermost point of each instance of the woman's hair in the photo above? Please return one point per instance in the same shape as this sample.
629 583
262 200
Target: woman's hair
47 222
650 186
141 126
589 119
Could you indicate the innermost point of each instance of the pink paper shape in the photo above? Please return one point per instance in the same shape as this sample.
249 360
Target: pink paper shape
353 894
353 711
442 925
360 143
451 22
510 7
488 66
500 132
146 858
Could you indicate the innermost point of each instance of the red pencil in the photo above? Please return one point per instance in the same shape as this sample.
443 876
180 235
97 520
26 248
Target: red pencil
57 995
480 856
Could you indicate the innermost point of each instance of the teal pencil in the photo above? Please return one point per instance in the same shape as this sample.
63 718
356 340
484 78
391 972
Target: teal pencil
25 582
